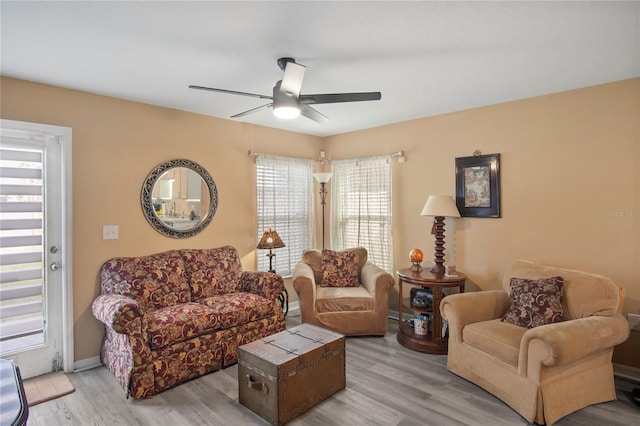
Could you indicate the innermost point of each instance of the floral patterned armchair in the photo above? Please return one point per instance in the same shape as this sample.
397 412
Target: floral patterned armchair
173 316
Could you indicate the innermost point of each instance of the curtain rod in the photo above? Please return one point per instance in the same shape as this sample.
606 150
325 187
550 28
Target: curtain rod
255 154
399 154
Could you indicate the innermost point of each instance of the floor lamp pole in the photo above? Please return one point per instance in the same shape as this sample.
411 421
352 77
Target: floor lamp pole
323 201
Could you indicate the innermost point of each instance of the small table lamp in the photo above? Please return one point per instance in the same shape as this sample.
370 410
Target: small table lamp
270 240
440 206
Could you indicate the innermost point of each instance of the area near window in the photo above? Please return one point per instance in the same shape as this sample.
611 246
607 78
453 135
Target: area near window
361 207
285 203
21 248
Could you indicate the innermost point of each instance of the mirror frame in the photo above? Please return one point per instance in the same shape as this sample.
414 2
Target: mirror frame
146 198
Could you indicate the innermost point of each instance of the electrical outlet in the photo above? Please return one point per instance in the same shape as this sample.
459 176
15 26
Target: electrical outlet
110 232
634 321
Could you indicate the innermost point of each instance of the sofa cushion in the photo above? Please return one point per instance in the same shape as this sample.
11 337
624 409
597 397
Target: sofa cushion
313 258
239 308
339 269
212 272
584 293
535 302
180 322
343 299
498 338
155 281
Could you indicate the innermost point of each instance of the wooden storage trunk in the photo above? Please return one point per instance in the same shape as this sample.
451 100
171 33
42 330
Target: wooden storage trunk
283 375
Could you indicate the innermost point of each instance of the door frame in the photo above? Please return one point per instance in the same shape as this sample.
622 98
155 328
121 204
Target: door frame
63 136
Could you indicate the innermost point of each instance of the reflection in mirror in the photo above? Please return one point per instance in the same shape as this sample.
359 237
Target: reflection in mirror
179 198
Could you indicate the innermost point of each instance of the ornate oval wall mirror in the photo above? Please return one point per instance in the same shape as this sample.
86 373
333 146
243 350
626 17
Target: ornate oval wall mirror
179 198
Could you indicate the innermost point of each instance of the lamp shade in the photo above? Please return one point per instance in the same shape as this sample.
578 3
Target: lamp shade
322 177
270 240
440 205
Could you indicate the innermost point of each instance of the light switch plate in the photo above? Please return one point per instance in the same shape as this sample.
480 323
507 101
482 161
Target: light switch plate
110 232
634 321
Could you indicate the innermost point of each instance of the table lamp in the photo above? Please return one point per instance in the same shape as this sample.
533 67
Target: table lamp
440 206
270 240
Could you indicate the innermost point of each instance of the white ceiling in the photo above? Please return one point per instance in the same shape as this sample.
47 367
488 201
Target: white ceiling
426 58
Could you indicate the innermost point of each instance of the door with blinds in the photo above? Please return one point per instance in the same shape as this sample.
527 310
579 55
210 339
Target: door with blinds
32 280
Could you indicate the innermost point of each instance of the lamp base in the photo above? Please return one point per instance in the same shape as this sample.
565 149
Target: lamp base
270 256
437 269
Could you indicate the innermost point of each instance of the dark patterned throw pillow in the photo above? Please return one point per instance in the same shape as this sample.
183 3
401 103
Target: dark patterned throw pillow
339 268
535 302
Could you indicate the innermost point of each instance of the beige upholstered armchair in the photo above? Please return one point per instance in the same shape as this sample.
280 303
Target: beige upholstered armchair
547 371
343 292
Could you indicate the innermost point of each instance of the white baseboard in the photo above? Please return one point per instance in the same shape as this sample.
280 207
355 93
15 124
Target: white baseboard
393 314
294 309
627 372
86 364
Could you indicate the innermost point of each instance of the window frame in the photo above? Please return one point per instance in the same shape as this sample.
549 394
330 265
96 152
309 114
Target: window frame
374 221
284 202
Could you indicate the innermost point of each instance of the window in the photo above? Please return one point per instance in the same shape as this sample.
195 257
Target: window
21 242
285 203
361 207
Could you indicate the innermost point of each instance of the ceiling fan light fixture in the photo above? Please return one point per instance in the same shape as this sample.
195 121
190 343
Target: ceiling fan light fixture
284 106
286 112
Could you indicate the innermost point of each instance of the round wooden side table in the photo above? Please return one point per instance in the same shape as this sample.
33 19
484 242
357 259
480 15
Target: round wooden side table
435 341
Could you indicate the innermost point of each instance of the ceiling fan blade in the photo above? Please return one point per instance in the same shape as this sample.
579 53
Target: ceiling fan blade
331 98
313 114
231 92
292 79
252 110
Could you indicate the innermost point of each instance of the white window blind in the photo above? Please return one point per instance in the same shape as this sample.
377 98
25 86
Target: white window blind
21 243
361 207
285 203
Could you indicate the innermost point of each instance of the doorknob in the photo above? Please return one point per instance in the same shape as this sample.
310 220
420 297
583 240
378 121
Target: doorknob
55 266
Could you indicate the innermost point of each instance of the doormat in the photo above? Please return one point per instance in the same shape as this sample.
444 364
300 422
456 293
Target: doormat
45 388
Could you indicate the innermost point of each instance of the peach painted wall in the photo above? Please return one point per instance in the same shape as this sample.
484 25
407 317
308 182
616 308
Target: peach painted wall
116 143
570 185
567 159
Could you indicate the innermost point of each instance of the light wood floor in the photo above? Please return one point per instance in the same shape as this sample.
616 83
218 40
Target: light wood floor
387 384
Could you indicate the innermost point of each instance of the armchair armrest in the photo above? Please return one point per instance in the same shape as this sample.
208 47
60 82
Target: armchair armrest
118 312
467 308
266 284
304 283
568 341
375 280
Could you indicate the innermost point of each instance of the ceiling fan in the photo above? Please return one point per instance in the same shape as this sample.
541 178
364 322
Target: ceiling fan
287 102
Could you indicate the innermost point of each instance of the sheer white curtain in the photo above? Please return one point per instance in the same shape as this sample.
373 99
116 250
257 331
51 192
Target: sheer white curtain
285 203
361 207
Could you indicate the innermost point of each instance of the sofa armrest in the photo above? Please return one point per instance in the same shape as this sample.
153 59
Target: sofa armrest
304 283
467 308
266 284
377 281
568 341
118 312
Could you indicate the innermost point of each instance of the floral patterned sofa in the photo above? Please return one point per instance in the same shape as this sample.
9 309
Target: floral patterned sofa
173 316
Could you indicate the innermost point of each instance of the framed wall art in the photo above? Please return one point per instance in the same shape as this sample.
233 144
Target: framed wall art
478 185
